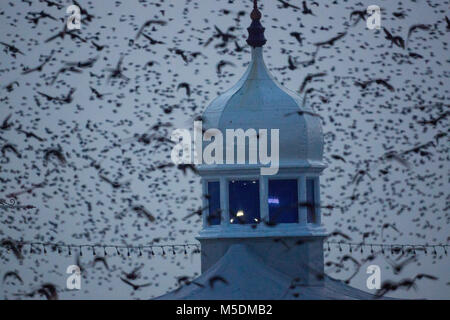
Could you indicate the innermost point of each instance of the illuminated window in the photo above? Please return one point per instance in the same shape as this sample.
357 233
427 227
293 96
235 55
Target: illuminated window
311 200
244 201
214 203
283 201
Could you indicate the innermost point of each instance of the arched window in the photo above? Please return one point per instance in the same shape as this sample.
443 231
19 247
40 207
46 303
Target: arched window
283 201
244 201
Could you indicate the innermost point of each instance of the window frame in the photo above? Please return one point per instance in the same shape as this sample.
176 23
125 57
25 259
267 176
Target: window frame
207 206
224 179
316 199
205 202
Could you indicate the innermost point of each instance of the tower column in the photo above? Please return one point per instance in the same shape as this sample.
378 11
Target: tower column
263 195
302 209
205 204
225 213
317 197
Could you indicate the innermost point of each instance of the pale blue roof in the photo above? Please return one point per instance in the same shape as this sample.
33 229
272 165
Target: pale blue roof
248 278
258 101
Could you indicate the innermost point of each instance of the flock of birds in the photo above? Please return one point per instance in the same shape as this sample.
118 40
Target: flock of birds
86 116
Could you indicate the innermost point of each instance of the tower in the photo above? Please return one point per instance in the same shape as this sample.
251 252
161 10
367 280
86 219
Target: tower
244 206
262 234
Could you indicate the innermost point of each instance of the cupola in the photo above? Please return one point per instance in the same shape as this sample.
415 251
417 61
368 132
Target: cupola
240 200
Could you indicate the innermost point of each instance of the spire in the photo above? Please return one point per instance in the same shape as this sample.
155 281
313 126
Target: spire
256 30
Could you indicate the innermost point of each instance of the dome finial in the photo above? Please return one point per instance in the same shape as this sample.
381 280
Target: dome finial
256 14
256 30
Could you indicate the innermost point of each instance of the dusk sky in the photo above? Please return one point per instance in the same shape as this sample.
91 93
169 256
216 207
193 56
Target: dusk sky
396 200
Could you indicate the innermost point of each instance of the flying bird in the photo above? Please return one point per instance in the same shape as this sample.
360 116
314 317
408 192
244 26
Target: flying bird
147 24
12 274
185 86
134 286
223 63
215 279
6 124
331 41
397 40
416 27
309 78
286 4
